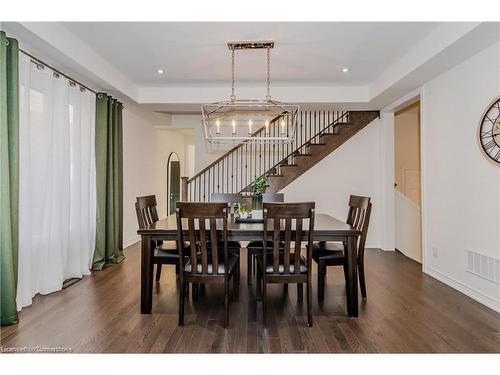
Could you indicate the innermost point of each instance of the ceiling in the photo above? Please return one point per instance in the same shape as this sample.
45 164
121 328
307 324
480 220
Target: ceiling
196 53
387 60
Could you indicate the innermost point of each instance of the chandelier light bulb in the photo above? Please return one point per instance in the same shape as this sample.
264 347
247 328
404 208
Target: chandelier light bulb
238 114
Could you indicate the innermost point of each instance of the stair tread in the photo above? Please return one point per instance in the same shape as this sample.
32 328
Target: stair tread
333 136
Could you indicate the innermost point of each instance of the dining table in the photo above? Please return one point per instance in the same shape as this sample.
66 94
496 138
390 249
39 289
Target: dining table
326 228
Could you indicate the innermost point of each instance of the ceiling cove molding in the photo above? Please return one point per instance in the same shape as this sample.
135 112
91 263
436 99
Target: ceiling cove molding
49 39
428 47
446 46
183 94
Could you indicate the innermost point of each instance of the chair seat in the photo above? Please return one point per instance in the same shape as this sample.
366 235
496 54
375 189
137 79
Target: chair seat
331 251
171 245
255 247
166 254
281 266
230 244
233 244
233 261
168 250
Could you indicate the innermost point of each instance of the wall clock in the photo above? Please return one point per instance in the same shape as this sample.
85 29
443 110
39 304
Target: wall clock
489 132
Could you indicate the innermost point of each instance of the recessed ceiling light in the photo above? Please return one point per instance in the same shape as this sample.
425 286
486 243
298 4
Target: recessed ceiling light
160 71
345 70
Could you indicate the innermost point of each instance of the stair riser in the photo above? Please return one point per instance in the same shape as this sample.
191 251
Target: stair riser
318 152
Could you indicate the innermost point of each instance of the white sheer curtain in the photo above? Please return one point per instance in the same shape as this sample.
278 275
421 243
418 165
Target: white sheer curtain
57 197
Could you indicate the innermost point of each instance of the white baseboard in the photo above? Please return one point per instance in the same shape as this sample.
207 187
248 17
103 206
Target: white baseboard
131 241
462 288
376 246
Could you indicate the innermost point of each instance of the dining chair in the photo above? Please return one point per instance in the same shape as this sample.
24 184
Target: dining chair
232 201
283 266
327 254
213 264
165 252
255 247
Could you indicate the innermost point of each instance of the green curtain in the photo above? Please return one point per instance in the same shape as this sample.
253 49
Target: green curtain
9 176
109 181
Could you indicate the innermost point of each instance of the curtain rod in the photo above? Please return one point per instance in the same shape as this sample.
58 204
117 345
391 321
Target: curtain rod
37 60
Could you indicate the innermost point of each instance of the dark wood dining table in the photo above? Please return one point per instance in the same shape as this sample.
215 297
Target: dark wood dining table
326 228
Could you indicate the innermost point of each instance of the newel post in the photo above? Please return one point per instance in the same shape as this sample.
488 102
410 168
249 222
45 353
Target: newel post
184 189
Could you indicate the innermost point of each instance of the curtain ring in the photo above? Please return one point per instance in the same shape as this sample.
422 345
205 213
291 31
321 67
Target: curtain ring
56 75
72 84
40 66
82 89
100 96
7 42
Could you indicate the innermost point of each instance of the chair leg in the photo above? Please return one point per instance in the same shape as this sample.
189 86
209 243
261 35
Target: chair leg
226 303
236 283
181 302
177 268
321 280
361 272
186 291
309 303
346 276
194 291
300 293
249 267
264 307
158 272
285 288
258 283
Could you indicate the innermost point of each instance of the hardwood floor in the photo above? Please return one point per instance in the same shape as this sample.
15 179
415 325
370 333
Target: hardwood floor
406 312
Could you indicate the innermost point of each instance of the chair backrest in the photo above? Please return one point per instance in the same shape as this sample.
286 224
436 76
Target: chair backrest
273 197
359 217
145 209
230 199
204 242
293 215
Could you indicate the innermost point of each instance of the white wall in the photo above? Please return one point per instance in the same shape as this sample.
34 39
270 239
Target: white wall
354 168
205 153
461 203
145 154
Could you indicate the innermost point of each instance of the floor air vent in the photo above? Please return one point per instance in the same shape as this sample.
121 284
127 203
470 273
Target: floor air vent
484 266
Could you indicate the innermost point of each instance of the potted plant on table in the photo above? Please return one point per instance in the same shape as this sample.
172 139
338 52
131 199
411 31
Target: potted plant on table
258 188
243 211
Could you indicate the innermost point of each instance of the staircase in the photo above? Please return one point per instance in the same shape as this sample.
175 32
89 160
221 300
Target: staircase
318 133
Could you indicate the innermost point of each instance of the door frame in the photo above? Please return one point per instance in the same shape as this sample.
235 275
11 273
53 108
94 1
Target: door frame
172 154
405 101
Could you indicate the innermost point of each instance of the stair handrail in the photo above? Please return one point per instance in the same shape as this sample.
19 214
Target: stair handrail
239 145
201 186
305 144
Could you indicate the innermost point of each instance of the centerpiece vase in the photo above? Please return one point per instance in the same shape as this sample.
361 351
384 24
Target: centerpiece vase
257 207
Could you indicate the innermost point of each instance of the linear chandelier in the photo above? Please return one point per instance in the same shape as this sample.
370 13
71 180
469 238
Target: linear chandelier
253 120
